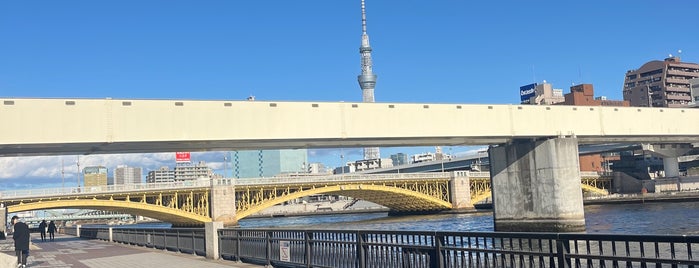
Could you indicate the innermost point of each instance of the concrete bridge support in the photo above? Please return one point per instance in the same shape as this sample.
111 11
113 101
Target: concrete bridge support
669 153
3 221
223 205
460 191
536 186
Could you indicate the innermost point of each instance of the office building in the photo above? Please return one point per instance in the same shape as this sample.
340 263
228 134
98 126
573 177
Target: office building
164 174
584 95
268 163
399 159
127 175
694 92
95 176
540 94
660 83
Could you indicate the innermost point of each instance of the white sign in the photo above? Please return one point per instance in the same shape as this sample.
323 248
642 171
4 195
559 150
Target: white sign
284 253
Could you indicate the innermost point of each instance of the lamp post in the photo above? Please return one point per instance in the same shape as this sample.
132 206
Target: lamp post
225 166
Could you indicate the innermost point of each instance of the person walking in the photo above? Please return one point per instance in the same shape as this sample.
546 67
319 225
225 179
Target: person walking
42 230
52 230
21 237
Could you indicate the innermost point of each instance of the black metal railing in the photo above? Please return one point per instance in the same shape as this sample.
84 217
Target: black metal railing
341 248
185 240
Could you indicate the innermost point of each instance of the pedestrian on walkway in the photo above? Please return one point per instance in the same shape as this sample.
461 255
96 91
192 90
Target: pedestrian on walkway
42 230
52 230
21 237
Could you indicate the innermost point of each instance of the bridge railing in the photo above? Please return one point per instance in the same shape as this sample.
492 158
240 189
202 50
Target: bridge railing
139 187
342 248
184 240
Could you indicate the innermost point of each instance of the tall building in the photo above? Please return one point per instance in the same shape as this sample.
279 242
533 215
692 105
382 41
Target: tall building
367 79
540 94
694 92
188 171
268 163
127 175
164 174
95 176
660 83
399 159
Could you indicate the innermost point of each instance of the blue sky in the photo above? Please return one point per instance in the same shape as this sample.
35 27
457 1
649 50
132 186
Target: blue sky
441 51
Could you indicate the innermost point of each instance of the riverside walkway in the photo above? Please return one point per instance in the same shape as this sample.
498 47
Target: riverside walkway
69 251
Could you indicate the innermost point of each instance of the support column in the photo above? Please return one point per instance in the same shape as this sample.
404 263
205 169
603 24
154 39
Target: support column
460 191
3 221
536 186
223 203
211 238
669 153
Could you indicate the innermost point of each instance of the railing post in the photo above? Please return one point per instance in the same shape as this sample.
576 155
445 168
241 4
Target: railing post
438 261
237 245
361 253
111 235
212 239
307 247
268 254
562 250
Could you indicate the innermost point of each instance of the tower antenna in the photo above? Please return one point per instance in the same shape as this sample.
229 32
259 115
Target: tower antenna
367 79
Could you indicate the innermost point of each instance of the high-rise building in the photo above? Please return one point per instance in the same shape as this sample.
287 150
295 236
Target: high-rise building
268 163
95 176
660 83
694 92
164 174
399 159
367 79
188 171
540 94
127 175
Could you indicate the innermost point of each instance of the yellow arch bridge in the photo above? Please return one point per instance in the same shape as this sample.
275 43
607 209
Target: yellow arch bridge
194 203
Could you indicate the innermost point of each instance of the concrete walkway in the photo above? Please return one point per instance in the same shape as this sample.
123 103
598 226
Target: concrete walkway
69 251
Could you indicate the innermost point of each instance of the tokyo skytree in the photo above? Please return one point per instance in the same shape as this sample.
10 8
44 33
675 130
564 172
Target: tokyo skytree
367 79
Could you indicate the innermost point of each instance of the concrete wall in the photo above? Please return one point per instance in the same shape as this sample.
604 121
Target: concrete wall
536 186
676 184
626 184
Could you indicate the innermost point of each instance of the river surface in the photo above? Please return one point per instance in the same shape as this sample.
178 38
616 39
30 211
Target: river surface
680 218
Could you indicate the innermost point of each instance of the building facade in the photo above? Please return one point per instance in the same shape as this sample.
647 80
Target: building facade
163 174
399 159
540 94
95 176
127 175
584 95
660 83
694 92
268 163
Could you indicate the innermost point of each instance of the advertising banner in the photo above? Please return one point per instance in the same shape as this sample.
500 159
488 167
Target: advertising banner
182 157
526 92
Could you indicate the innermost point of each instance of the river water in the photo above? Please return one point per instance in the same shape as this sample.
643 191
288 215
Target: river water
680 218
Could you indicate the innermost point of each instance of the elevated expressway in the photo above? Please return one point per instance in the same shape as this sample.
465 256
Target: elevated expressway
533 153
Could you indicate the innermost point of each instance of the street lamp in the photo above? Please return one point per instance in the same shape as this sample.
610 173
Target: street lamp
225 166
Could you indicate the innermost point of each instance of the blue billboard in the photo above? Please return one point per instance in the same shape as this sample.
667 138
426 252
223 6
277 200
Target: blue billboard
526 92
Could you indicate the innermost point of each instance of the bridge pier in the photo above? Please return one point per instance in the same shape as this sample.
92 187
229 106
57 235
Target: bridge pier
669 153
223 205
460 191
536 186
3 221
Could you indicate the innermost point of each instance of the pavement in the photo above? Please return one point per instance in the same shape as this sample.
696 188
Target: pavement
69 251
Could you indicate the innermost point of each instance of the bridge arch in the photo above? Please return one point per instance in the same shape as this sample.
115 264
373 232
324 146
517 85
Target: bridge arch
392 197
175 216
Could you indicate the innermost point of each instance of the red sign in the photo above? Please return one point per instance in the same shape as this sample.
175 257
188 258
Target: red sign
182 157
